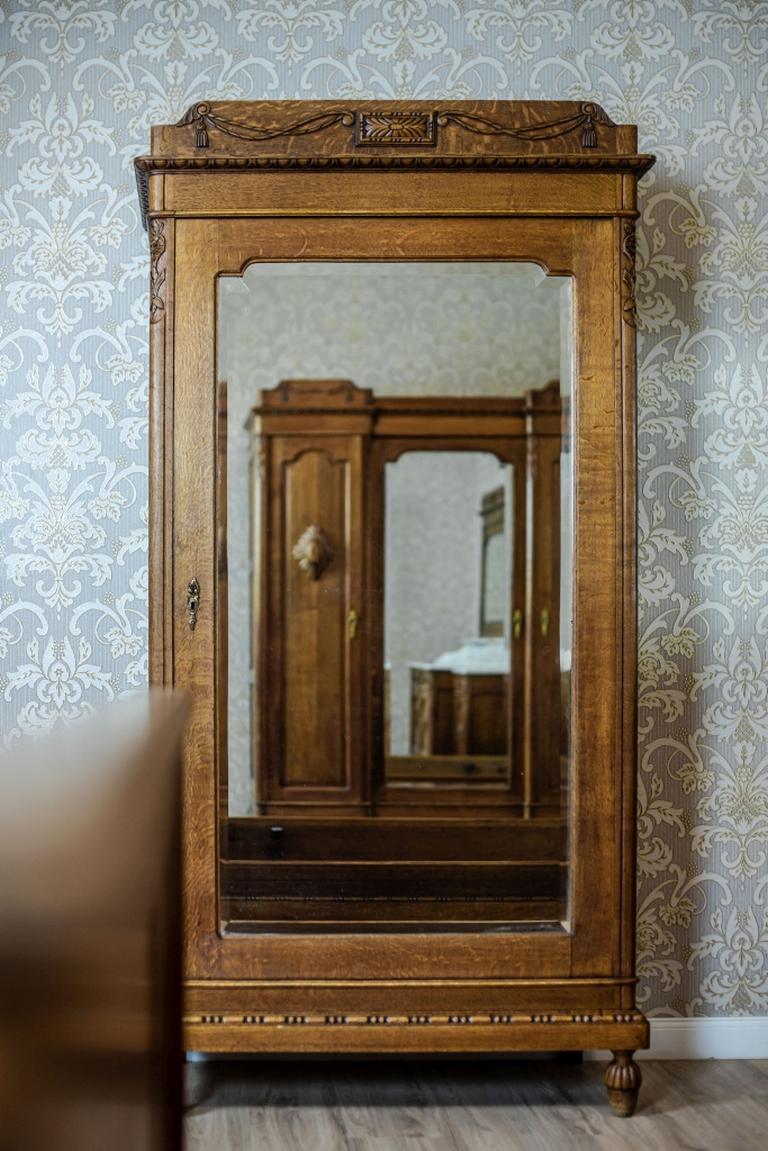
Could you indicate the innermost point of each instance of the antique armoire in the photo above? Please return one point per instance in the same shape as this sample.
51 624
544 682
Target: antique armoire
333 547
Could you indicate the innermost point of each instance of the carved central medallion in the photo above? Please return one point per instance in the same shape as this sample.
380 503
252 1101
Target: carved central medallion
372 128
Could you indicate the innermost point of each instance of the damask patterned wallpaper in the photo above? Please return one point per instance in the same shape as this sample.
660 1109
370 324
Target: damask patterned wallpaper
80 82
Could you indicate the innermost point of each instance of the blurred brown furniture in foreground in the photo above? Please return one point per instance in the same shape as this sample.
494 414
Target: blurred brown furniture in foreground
90 1042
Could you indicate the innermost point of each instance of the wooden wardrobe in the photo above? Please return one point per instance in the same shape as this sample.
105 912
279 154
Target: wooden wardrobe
381 897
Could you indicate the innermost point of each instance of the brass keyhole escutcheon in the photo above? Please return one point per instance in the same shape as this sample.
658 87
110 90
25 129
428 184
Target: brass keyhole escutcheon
352 621
193 602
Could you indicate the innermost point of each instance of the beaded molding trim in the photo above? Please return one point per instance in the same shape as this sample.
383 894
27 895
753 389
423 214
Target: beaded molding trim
413 1020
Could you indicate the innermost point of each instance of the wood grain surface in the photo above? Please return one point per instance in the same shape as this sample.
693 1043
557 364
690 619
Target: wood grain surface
548 182
90 996
516 1105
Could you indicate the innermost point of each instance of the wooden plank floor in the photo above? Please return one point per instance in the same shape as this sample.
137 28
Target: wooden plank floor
477 1106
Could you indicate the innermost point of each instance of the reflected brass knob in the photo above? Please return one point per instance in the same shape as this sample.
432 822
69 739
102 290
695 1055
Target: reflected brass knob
352 622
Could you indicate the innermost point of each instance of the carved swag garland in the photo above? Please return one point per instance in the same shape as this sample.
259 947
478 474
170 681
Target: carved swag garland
381 128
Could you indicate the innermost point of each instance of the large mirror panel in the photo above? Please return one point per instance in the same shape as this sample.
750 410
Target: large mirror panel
394 600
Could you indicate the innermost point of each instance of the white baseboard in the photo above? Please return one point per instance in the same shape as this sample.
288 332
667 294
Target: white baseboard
729 1037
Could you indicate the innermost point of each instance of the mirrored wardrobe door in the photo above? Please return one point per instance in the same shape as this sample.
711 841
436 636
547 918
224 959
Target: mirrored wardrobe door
396 709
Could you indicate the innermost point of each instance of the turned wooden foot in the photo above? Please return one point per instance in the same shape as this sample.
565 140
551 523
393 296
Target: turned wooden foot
623 1079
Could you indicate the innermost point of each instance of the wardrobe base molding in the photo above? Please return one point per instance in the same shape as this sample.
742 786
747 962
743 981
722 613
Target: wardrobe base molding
404 1016
402 1035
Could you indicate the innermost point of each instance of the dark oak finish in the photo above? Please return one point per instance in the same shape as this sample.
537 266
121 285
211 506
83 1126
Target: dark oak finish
545 686
549 182
465 716
433 728
90 964
312 436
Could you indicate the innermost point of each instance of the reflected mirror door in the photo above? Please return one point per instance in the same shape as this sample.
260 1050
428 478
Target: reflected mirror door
495 570
450 685
394 602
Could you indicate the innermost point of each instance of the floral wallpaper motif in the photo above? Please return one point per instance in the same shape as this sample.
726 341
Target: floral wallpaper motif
80 82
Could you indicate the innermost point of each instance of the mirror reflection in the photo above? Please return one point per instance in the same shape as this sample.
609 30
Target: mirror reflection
495 570
394 595
447 615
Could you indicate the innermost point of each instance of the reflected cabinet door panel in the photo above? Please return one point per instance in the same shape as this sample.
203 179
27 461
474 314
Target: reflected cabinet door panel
548 674
308 568
308 605
407 521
